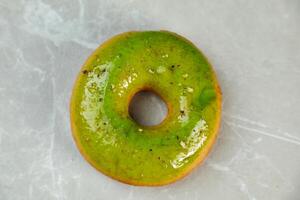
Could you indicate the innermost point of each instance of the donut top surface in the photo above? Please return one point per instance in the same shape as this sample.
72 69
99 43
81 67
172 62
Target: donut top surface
112 141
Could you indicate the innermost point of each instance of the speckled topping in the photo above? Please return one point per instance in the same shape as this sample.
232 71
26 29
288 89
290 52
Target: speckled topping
114 143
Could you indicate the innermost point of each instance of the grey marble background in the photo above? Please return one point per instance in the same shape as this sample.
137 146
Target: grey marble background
253 45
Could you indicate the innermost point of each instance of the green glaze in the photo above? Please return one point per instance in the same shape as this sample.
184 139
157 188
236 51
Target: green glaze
114 143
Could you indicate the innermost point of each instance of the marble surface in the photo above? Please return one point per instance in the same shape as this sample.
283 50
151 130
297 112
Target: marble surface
253 45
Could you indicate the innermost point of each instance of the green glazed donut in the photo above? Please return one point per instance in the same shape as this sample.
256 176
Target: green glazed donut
111 141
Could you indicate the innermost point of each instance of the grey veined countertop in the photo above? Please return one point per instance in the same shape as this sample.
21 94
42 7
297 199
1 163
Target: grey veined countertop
253 45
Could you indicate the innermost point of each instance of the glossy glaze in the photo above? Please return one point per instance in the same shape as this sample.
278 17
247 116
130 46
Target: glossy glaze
116 145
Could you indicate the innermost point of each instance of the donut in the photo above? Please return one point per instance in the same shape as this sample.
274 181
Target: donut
112 141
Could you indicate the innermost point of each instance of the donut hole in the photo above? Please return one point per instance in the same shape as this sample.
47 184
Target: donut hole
147 108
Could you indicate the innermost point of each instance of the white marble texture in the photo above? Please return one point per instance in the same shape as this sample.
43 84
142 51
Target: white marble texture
253 45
